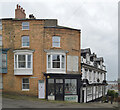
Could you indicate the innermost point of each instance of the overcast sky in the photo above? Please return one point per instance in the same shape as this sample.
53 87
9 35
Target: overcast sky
97 19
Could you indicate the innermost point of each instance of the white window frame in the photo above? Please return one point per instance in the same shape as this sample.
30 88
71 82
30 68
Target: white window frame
24 42
25 83
26 62
51 62
23 25
56 70
55 41
23 71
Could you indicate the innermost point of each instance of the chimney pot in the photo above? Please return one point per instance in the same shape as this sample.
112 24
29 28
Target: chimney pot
17 6
23 11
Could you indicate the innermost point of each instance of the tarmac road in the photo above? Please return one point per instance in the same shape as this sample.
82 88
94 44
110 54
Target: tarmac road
15 103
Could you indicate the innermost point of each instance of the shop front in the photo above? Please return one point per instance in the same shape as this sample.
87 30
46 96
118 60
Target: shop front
64 87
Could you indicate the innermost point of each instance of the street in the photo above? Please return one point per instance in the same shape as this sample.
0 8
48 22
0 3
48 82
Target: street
15 103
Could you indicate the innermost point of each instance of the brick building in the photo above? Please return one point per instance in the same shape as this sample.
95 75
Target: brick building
40 58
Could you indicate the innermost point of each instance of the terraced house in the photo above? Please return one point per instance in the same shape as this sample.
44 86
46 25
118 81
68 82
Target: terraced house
93 76
40 58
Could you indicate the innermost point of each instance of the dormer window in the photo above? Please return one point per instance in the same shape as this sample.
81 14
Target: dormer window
25 25
25 41
56 41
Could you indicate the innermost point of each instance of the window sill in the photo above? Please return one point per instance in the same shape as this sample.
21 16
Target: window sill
25 89
56 47
25 47
25 29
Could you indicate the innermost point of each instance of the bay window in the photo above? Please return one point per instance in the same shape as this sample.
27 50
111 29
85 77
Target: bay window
23 61
56 61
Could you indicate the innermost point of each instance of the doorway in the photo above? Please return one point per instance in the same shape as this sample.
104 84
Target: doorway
41 87
59 89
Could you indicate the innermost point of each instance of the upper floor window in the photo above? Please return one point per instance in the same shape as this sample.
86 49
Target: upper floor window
56 61
25 41
0 25
23 61
25 25
0 40
56 41
4 60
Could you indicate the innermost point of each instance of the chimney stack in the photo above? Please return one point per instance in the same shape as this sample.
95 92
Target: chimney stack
20 12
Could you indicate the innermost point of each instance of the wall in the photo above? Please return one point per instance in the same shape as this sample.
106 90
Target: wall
40 39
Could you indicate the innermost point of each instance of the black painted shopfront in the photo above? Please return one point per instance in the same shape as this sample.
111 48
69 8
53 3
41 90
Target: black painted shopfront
63 86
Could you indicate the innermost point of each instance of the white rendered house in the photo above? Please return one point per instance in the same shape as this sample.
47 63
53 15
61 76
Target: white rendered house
93 76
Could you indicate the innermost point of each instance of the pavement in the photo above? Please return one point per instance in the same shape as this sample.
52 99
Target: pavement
21 103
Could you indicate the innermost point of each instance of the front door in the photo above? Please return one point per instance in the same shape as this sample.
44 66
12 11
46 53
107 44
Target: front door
59 89
41 86
82 95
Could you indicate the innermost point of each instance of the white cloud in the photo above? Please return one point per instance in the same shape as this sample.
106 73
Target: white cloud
97 19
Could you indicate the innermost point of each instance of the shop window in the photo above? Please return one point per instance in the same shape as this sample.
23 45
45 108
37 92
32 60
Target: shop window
70 86
25 84
51 87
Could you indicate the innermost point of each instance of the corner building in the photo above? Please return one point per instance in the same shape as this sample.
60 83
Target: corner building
41 58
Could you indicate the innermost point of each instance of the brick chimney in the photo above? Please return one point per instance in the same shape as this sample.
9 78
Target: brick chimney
20 12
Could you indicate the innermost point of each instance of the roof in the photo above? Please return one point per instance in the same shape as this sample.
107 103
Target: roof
24 19
87 50
61 27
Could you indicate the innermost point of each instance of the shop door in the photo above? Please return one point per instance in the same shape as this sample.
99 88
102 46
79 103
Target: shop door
59 89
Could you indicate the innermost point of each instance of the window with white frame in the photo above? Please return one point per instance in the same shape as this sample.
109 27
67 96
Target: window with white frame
94 75
25 84
4 60
25 25
56 41
55 61
89 90
0 40
25 41
23 61
85 73
0 25
90 73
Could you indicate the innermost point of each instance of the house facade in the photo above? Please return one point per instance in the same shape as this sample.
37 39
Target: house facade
40 58
93 76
